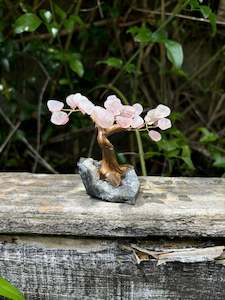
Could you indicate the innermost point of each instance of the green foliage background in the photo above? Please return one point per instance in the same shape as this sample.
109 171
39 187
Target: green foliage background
152 52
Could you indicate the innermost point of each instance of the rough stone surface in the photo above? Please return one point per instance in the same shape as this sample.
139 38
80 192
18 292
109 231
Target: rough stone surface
126 193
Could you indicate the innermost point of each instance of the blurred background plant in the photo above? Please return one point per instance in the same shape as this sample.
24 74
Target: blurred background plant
9 291
169 52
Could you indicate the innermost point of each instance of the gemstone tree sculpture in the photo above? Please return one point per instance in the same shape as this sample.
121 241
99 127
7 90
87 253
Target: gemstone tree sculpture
114 117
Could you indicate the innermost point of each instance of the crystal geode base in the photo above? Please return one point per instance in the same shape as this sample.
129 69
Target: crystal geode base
125 193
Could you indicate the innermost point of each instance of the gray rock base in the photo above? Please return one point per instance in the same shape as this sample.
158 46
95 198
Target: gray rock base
126 193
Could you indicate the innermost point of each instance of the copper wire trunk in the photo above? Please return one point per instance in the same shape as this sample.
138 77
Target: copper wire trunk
110 170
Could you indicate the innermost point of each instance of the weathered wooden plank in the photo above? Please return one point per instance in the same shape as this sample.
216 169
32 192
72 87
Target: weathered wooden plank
58 204
67 269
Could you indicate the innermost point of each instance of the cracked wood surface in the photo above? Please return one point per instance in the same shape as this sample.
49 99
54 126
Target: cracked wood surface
58 204
69 268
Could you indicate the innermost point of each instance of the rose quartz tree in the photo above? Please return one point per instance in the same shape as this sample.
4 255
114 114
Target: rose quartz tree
114 117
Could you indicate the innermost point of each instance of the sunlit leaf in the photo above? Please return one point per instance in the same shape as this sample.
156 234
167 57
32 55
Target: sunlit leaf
174 53
9 291
28 22
53 28
46 15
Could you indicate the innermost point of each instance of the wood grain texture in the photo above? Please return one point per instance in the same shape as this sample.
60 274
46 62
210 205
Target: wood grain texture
67 268
58 204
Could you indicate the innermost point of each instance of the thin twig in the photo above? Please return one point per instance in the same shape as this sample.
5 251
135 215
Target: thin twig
134 98
91 146
162 60
186 17
100 9
9 136
217 109
29 146
201 69
40 100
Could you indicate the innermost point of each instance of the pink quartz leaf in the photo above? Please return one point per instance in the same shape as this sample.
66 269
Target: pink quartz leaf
154 135
102 117
151 118
128 111
85 105
137 122
59 118
123 122
55 105
164 123
113 104
162 111
138 108
72 100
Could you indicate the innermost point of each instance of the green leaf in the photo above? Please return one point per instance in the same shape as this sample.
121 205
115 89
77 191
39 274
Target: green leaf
26 8
207 136
141 34
207 13
71 22
64 81
219 161
205 10
53 28
46 15
27 22
174 53
168 145
212 19
186 157
130 68
113 62
173 154
122 158
9 291
151 154
179 72
75 64
59 11
159 37
194 4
